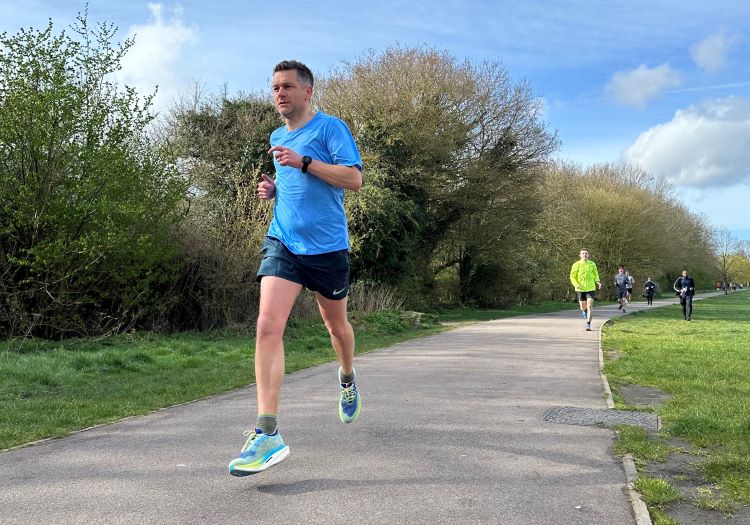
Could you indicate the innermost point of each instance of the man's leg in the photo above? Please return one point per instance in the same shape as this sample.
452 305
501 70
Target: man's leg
683 303
334 316
583 307
264 446
277 297
590 309
689 301
342 339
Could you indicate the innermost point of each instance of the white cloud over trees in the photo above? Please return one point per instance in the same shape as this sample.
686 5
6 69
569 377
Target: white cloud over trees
703 146
154 59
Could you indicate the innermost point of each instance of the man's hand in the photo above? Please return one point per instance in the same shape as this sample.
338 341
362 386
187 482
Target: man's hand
599 285
286 156
266 188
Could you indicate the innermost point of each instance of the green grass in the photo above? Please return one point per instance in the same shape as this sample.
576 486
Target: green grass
634 440
656 492
705 365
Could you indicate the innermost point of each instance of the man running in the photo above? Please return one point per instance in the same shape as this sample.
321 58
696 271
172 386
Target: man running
650 288
585 279
685 286
621 286
307 245
631 283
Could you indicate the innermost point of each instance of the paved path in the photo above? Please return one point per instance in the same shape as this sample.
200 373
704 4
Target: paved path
451 431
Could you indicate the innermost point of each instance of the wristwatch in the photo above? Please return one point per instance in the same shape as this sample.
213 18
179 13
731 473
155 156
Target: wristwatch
305 163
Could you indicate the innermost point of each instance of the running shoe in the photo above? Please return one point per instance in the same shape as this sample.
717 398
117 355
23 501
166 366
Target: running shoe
619 306
350 402
260 452
588 327
584 314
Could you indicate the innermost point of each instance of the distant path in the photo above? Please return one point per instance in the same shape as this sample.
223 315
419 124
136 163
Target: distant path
451 432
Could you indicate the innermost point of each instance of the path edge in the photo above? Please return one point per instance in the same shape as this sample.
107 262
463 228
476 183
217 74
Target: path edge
640 510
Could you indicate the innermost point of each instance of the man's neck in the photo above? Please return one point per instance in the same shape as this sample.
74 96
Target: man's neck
297 122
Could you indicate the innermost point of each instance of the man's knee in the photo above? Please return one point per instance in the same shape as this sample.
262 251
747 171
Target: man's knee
339 329
269 327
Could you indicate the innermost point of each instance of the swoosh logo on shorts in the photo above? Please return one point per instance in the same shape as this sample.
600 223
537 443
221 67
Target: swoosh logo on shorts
336 292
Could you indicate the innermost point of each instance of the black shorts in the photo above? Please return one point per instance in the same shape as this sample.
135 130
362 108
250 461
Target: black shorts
325 273
630 290
621 294
582 296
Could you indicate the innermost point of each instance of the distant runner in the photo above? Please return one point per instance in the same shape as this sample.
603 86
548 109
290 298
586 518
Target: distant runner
650 288
685 287
631 283
621 286
585 279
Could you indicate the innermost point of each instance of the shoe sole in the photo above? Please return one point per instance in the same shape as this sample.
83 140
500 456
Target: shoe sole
275 458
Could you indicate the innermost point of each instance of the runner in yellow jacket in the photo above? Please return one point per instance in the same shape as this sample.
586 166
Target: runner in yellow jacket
585 279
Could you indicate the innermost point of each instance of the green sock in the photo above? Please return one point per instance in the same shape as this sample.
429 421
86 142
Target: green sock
266 423
346 378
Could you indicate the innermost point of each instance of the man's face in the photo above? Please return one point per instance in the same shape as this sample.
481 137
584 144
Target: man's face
584 255
290 96
621 271
684 274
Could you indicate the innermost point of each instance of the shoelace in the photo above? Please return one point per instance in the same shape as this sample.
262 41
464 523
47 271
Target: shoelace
349 393
251 435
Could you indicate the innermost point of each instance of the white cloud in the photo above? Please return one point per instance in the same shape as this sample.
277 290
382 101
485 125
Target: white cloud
703 146
639 85
710 54
154 59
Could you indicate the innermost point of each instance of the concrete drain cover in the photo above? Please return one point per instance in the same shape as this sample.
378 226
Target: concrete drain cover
604 416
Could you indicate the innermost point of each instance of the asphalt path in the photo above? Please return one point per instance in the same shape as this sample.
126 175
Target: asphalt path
451 431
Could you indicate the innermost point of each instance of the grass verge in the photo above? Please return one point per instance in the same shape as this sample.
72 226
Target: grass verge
705 365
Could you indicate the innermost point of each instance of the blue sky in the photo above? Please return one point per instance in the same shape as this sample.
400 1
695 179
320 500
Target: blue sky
664 85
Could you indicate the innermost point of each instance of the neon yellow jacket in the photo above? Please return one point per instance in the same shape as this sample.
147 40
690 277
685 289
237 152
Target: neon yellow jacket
584 276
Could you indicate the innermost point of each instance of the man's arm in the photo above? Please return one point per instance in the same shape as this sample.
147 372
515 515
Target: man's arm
573 276
346 177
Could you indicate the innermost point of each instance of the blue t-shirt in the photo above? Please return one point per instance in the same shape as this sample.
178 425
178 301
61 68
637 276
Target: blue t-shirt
308 213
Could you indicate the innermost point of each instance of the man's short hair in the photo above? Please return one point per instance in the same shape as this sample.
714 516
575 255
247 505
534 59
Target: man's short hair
583 250
303 72
620 267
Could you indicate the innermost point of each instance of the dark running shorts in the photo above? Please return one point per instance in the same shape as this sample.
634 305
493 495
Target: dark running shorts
630 290
582 296
326 273
622 293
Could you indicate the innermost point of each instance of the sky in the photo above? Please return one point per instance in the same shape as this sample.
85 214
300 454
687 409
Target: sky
663 85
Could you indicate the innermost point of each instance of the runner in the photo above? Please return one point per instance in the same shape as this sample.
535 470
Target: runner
307 245
630 284
685 287
650 288
621 286
585 279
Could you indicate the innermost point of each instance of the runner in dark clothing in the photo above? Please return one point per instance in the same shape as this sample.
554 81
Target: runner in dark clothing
650 287
685 287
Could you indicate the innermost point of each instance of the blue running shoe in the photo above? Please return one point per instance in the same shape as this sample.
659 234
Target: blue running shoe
350 402
260 452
